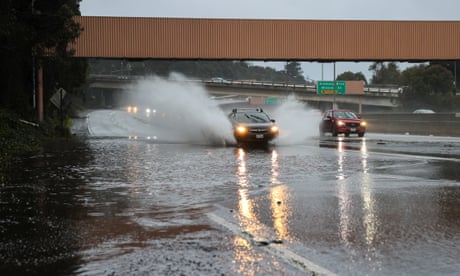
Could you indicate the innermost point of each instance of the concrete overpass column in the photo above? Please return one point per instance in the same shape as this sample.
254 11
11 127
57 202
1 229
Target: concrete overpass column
360 105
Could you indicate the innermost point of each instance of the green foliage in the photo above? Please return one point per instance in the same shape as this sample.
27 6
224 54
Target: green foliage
427 86
18 137
36 32
294 72
453 67
385 73
350 76
424 86
200 69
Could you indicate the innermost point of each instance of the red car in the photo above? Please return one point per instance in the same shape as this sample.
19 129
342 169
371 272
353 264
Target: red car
342 121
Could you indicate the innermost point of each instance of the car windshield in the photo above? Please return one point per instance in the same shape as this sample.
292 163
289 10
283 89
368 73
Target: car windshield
252 117
345 115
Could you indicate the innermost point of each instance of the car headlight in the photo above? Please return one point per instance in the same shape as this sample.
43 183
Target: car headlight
241 129
274 129
363 124
340 123
132 109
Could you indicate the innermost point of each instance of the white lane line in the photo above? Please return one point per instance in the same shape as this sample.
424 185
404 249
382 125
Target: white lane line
90 129
276 249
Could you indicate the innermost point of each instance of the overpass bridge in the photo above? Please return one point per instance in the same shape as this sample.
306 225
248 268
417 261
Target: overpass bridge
373 96
252 39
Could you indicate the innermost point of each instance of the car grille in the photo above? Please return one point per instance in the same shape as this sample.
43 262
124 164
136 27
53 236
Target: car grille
352 124
258 130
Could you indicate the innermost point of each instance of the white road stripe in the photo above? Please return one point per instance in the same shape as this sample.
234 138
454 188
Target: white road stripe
276 249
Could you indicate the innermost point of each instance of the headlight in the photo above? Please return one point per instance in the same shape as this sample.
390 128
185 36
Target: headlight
363 124
132 109
241 129
340 123
274 129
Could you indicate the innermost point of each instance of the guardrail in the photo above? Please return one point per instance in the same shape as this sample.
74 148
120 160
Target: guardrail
369 90
442 124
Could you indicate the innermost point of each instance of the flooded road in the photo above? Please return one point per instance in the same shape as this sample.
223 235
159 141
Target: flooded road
134 206
130 196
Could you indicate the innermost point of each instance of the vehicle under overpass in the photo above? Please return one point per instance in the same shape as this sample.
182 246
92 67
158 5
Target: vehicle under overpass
262 39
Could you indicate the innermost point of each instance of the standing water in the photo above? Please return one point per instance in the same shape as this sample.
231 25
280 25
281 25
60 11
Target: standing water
109 203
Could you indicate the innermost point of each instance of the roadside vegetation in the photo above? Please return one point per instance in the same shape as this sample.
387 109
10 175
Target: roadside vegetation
34 33
18 136
201 69
427 86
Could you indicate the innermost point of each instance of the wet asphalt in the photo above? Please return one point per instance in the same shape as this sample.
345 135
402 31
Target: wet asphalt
133 205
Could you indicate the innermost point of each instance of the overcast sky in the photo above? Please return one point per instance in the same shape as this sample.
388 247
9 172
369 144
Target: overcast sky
284 9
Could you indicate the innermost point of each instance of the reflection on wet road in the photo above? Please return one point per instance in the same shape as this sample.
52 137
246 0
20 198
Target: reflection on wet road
351 209
136 206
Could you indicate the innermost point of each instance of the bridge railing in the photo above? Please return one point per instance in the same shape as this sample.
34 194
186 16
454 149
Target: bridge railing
383 90
387 91
393 91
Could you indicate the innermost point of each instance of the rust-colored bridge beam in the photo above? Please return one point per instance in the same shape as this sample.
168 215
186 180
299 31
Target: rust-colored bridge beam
255 39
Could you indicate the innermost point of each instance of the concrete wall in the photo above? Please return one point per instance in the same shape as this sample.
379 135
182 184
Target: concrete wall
439 124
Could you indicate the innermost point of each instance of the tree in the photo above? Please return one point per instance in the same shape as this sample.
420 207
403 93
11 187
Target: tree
350 76
452 67
200 69
33 32
427 86
294 72
385 74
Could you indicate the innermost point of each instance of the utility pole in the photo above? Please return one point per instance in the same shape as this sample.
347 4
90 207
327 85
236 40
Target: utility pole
455 78
37 80
34 84
334 104
322 71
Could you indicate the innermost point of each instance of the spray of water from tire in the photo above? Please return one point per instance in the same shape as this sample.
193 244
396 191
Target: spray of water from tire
297 122
182 110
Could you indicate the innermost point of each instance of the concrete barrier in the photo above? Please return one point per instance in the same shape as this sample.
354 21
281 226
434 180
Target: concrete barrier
439 124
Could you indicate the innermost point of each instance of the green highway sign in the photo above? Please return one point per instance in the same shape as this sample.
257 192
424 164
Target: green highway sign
331 87
271 100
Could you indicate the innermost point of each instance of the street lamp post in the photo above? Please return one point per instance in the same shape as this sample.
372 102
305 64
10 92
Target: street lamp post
37 80
334 104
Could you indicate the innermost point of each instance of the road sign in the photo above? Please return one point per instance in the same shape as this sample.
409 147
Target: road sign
271 100
58 97
331 87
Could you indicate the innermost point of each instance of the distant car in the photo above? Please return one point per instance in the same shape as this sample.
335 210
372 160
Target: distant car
423 111
342 121
253 125
132 109
219 80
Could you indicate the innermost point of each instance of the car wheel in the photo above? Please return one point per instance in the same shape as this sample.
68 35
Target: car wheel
361 134
321 133
334 131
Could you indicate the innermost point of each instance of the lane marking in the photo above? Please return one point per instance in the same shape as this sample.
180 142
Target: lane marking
395 153
278 250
